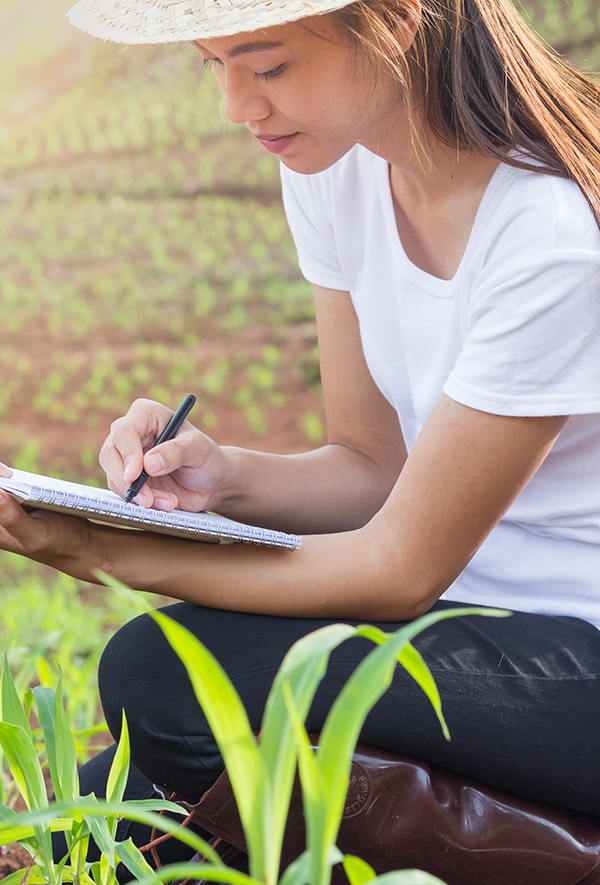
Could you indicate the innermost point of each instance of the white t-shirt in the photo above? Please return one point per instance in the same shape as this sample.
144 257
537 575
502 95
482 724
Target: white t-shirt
515 332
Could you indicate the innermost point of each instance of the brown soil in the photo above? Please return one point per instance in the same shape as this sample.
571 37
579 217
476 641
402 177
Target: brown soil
12 859
61 444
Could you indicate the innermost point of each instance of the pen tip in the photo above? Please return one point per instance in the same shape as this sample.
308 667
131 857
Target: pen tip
129 496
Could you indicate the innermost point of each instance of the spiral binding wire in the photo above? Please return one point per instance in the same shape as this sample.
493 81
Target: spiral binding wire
188 524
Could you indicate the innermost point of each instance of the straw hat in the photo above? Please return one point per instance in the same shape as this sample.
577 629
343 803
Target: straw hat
176 21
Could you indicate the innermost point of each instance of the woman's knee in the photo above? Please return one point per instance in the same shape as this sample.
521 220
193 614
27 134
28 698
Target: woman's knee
171 741
140 673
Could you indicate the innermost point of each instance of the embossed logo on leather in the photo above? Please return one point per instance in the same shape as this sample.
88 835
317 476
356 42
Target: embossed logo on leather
360 790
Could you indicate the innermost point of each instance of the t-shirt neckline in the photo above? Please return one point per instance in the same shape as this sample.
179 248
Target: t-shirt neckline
417 276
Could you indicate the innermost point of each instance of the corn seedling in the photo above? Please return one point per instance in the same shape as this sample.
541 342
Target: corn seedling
79 818
262 773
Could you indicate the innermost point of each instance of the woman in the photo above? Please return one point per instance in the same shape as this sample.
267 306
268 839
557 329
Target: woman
440 177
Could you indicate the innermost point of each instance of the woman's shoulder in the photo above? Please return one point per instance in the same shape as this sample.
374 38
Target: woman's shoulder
539 208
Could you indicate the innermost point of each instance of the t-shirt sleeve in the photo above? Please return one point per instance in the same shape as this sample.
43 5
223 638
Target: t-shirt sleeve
307 202
532 343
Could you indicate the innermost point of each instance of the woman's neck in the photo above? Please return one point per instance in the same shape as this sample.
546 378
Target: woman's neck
426 171
436 190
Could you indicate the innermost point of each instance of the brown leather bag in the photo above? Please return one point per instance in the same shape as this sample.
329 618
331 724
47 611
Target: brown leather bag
402 813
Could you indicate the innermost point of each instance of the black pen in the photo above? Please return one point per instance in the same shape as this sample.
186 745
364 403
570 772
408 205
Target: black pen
179 416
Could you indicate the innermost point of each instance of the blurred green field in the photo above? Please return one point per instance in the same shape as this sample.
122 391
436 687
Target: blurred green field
143 252
144 249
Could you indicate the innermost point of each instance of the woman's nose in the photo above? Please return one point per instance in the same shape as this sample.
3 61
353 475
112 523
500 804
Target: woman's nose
244 101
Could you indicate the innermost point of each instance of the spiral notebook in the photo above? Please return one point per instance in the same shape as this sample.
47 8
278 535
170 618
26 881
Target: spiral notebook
101 505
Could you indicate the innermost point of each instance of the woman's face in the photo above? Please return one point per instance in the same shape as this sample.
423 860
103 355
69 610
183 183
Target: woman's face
304 92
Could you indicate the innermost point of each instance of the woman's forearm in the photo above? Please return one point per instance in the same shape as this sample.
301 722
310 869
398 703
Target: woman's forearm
340 575
346 575
332 489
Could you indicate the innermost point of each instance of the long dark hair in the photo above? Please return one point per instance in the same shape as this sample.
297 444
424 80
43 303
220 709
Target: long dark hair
487 82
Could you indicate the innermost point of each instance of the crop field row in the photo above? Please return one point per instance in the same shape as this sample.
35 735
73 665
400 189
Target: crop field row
145 252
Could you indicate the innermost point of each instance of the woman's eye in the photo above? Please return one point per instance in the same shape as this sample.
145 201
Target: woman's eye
272 74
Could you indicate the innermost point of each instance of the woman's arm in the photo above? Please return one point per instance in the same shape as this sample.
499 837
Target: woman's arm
335 488
463 472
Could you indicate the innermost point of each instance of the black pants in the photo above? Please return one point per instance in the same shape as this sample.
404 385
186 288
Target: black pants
521 697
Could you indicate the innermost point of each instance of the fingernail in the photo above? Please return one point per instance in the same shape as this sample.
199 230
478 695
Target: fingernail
3 498
128 474
142 499
162 504
156 462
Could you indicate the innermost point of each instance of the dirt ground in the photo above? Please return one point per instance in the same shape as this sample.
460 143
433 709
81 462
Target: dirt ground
12 859
60 444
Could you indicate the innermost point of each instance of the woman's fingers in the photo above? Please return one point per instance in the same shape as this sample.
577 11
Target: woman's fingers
122 454
57 540
7 523
19 531
187 471
190 448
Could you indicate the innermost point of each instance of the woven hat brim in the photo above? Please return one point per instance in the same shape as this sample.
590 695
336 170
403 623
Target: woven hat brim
178 21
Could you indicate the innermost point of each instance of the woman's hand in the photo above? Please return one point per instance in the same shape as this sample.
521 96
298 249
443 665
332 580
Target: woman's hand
64 542
189 472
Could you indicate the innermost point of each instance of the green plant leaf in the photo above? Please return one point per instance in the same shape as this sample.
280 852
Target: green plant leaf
298 872
66 754
28 702
136 600
199 871
98 827
17 744
95 872
413 663
358 870
119 771
363 689
30 875
301 671
310 775
45 699
117 778
13 712
6 813
133 859
141 810
229 723
77 844
20 832
314 790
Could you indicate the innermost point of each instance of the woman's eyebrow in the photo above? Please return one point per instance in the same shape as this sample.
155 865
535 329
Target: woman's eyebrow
251 46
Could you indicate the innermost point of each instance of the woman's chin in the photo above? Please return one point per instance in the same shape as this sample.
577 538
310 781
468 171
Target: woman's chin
306 163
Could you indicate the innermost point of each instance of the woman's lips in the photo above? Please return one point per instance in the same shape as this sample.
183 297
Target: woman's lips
276 143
